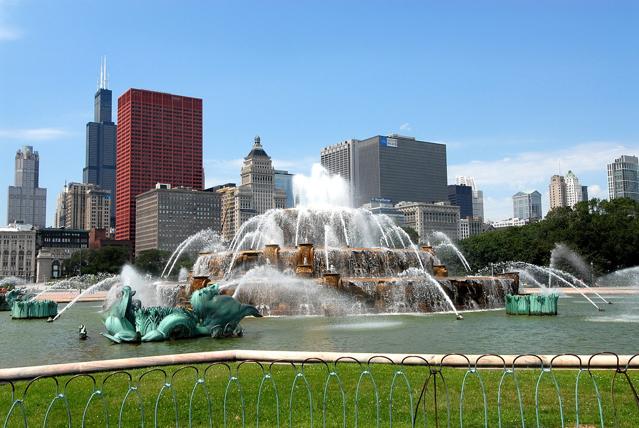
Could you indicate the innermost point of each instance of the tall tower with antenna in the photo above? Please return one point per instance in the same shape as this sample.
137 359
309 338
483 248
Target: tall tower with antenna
99 166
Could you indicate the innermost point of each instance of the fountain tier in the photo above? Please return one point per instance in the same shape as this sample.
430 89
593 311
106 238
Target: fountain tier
319 281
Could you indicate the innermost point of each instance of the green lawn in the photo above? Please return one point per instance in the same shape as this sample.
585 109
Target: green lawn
247 378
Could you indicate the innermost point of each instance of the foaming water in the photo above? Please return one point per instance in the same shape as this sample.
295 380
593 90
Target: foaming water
204 240
567 260
628 277
106 283
320 189
445 241
560 277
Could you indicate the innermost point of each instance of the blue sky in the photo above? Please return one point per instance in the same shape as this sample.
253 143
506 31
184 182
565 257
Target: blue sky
514 88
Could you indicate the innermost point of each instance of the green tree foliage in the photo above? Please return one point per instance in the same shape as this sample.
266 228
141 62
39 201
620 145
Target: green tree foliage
154 261
603 232
92 261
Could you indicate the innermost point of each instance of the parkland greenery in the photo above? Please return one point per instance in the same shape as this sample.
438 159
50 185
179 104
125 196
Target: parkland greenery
605 233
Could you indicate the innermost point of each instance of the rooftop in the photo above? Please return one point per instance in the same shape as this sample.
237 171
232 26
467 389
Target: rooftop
16 227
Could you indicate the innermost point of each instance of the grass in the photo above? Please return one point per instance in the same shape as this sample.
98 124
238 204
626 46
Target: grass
248 376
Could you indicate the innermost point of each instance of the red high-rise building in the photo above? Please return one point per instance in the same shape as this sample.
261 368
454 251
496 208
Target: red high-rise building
159 140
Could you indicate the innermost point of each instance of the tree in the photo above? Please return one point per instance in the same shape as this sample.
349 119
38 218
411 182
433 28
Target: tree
605 233
152 261
92 261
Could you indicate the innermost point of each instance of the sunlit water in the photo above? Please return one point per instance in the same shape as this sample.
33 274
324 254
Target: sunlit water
578 329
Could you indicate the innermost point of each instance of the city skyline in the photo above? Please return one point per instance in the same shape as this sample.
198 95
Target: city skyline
301 95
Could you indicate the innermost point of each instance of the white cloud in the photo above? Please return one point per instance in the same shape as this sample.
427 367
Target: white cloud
405 127
34 134
530 169
497 208
596 191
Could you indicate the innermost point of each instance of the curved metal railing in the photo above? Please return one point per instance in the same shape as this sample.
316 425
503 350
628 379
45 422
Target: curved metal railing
269 388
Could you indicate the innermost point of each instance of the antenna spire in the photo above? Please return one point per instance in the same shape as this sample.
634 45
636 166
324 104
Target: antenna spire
103 82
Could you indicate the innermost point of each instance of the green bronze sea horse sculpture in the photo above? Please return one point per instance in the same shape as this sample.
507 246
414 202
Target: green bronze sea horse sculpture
212 315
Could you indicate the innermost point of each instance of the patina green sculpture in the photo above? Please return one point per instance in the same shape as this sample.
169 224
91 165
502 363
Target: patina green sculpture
10 295
211 314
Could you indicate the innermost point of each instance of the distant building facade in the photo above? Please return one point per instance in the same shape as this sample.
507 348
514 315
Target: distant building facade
284 181
100 238
470 226
385 207
255 195
461 196
27 201
336 159
391 167
60 218
428 218
511 222
566 191
54 246
623 178
18 251
83 206
557 192
527 205
217 204
167 216
574 190
478 195
159 140
99 166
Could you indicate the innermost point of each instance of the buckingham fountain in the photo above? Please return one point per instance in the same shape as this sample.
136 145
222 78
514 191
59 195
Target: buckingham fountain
325 258
340 261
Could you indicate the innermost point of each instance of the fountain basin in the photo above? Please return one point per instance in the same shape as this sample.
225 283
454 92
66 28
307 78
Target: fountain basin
532 304
34 309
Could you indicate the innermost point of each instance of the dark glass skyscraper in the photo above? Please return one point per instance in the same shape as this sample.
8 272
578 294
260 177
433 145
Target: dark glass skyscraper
461 196
100 153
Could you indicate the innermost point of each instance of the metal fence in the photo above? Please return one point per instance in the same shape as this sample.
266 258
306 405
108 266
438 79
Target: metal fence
268 388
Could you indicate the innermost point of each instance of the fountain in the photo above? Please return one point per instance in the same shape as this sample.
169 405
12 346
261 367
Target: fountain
19 300
563 278
324 258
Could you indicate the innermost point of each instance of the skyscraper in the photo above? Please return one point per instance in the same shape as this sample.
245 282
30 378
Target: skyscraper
574 192
255 195
159 140
100 141
461 196
27 203
527 206
557 191
391 167
623 178
478 195
337 159
83 207
566 191
284 181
